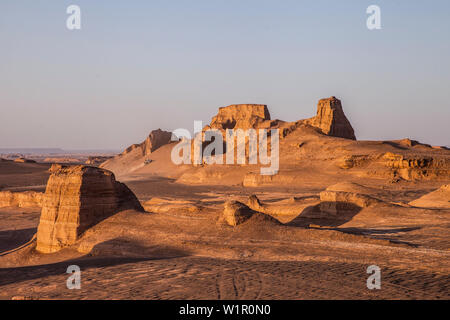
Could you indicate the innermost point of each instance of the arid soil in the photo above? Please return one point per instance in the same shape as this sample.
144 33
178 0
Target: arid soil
180 252
336 207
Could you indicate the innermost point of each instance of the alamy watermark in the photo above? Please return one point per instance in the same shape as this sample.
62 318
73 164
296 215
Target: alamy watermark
207 146
74 280
374 20
73 22
374 280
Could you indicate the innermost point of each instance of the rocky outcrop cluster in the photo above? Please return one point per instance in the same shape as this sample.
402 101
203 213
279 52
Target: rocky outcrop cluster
416 167
331 120
77 198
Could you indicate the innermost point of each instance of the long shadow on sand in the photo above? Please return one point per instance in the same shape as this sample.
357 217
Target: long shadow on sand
11 239
312 215
19 274
313 218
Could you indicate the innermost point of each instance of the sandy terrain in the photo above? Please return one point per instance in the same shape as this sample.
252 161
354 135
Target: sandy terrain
180 253
336 207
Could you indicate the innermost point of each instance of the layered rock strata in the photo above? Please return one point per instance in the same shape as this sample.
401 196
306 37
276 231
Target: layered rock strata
76 198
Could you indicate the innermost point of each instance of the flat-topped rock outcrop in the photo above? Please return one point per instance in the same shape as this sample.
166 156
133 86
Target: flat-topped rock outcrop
76 198
240 116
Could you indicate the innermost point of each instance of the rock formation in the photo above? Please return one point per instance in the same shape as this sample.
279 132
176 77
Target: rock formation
155 140
97 160
331 120
27 199
240 116
235 213
346 196
335 201
416 167
24 160
76 198
279 208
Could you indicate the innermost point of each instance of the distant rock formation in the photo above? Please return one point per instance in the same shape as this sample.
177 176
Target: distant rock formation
24 160
64 160
416 167
155 140
97 160
240 116
27 199
76 198
331 120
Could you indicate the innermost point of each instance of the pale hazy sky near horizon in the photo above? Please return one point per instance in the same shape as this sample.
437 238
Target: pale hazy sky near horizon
136 66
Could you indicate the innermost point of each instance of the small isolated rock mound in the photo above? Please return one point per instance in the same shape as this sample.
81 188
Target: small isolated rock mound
235 213
27 199
240 116
76 198
331 120
439 198
342 197
155 140
280 208
159 205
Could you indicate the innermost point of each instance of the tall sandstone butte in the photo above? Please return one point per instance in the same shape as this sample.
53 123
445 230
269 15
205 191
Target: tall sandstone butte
76 198
331 120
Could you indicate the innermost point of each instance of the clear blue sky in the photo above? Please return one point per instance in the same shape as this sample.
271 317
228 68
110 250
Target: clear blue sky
141 65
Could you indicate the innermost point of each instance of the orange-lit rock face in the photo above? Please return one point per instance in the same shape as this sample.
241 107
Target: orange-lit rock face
240 116
27 199
331 119
155 140
77 198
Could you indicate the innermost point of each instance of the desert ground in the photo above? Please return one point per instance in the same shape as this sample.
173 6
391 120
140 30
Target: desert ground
337 206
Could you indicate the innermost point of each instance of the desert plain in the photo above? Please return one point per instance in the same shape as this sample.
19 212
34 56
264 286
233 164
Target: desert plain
142 227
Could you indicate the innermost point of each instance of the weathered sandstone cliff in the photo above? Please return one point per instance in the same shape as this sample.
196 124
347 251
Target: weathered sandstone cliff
76 198
331 120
